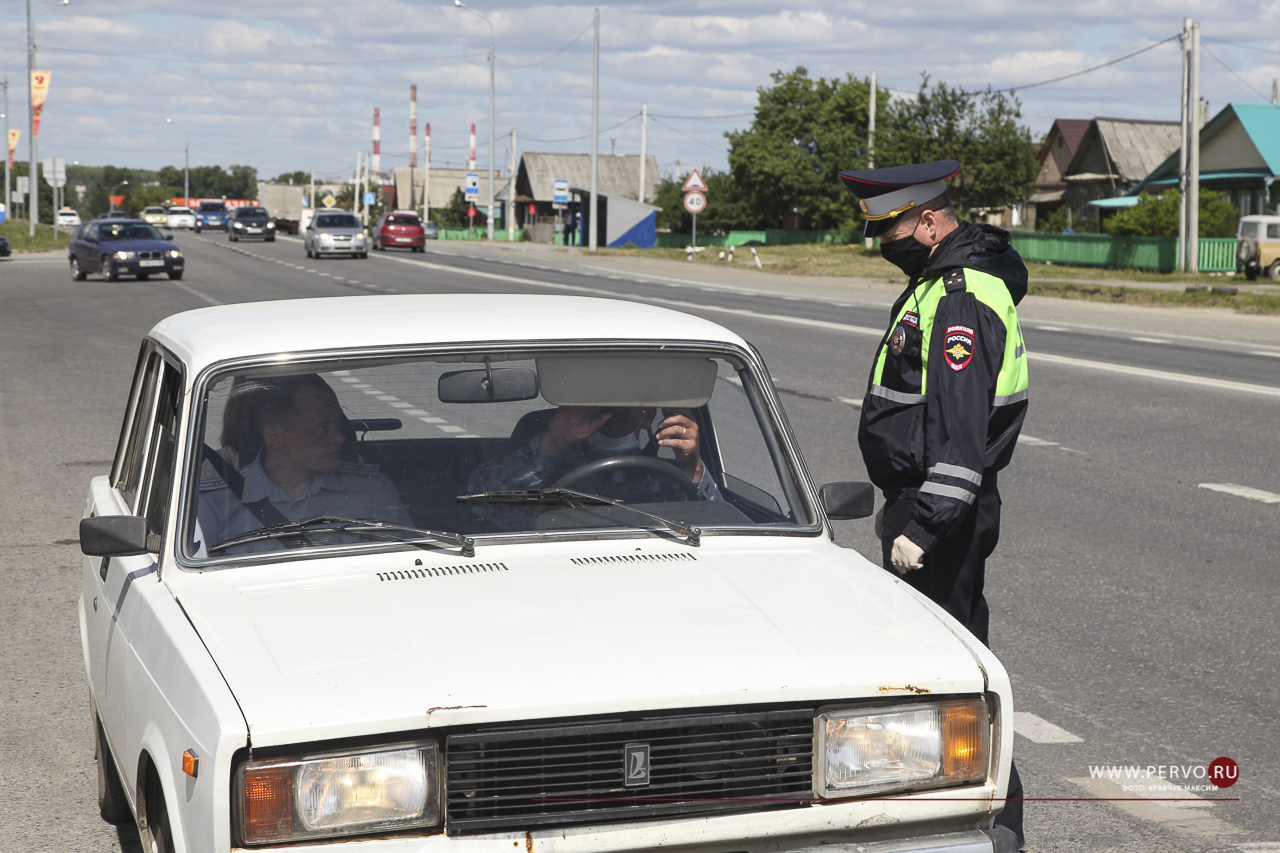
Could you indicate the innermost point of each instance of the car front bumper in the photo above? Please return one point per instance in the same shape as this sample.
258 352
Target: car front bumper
342 247
254 233
213 226
134 267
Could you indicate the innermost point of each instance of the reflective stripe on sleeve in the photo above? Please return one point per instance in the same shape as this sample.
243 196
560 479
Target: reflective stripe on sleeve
1010 399
895 396
948 492
956 471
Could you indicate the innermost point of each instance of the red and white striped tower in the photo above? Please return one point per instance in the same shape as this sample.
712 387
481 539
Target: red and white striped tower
426 165
377 140
471 164
413 126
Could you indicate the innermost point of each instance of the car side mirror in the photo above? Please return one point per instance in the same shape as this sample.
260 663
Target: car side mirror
849 500
117 536
169 237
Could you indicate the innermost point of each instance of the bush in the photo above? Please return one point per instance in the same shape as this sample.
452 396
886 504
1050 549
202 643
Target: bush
1157 216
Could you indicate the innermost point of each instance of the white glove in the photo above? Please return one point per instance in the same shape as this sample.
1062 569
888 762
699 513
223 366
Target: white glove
907 555
879 522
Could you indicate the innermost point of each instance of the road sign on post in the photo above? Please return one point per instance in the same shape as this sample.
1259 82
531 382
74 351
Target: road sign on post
695 202
694 183
473 184
560 191
370 198
329 200
55 172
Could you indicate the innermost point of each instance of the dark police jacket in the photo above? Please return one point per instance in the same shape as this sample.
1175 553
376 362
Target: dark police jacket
948 389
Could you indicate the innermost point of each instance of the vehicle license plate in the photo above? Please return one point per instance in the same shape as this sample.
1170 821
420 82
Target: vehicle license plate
255 230
402 240
150 263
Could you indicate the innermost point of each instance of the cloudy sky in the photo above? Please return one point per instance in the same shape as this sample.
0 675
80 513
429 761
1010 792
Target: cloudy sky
292 85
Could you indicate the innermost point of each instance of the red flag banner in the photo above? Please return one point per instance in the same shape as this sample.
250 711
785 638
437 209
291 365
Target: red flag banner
39 90
13 143
116 199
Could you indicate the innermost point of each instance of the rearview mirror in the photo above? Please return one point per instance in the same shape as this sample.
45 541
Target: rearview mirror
849 500
116 536
169 237
503 385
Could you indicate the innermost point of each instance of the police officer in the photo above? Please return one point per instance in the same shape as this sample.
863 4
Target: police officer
947 394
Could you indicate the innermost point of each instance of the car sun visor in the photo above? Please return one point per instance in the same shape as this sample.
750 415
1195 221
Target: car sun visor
649 379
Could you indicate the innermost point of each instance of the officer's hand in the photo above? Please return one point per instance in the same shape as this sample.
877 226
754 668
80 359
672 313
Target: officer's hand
570 425
679 431
879 522
906 555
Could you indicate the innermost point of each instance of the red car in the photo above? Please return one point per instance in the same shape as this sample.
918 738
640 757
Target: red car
399 229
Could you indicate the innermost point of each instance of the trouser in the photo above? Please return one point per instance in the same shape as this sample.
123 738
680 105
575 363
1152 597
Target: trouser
953 577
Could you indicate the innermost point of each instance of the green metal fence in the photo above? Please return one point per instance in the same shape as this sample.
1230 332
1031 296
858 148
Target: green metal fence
769 236
477 234
1105 250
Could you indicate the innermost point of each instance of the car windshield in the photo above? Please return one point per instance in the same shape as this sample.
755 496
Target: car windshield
250 212
129 231
179 210
337 220
403 220
488 446
213 207
153 210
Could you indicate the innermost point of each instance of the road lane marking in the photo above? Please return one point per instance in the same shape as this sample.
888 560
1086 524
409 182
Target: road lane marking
1147 373
196 293
1243 492
1039 730
1151 340
1035 442
1263 352
1194 821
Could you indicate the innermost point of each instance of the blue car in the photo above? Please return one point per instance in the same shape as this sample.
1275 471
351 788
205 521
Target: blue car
212 214
116 247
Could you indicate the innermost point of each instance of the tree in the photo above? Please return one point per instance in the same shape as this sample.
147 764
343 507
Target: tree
453 215
298 178
979 129
728 207
1157 216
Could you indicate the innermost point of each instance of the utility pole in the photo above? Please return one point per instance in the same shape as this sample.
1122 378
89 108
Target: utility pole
644 138
357 200
1193 161
511 193
493 60
426 174
1185 42
593 232
8 179
871 141
311 199
33 202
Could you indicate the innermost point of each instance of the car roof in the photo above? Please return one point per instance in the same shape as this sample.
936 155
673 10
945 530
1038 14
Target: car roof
207 336
1260 217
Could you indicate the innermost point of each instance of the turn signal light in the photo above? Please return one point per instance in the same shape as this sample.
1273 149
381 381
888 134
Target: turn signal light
191 763
268 806
964 740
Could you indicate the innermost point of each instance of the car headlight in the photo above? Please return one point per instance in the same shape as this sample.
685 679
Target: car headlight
239 224
174 253
904 747
324 236
125 256
271 225
378 789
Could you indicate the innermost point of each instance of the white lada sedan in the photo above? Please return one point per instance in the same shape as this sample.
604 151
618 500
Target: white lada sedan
506 574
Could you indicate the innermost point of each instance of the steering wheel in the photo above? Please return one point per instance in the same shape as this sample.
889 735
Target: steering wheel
648 463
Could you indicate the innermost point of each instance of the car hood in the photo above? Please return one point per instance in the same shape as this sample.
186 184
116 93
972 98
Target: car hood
136 245
326 649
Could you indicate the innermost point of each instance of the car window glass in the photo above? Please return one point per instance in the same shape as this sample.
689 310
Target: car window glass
1273 230
132 455
378 441
130 231
164 426
333 220
403 220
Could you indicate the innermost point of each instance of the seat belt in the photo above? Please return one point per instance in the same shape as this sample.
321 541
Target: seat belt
263 510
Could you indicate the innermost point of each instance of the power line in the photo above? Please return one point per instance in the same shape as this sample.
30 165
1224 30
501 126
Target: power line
1232 70
1117 60
700 118
685 135
165 58
583 136
552 56
1241 44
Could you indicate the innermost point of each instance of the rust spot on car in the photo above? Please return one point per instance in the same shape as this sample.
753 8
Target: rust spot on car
453 708
878 819
906 688
528 842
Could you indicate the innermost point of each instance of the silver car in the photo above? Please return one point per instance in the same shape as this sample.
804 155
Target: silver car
335 232
180 217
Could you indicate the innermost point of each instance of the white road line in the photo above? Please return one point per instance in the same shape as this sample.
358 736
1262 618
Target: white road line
1190 821
849 401
1147 373
415 412
388 398
1040 730
1243 492
432 420
1151 340
1262 352
401 405
1035 442
449 428
196 293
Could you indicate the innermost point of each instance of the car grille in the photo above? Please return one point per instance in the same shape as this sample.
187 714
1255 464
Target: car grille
558 775
150 256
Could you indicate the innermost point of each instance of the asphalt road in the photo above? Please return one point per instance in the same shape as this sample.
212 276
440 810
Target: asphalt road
1135 609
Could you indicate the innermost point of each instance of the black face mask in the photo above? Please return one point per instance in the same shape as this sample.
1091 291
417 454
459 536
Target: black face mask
907 254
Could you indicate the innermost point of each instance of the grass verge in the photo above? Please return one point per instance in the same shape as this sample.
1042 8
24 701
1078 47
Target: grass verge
44 241
1244 303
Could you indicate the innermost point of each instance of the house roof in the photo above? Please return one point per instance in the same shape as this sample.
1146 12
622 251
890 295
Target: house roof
618 174
1260 122
1136 147
1072 130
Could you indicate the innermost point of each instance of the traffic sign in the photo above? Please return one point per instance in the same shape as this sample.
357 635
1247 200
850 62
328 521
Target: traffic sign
694 183
560 191
695 202
329 200
23 182
473 184
370 198
55 172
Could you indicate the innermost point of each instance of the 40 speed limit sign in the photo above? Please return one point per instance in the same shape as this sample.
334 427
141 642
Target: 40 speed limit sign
695 202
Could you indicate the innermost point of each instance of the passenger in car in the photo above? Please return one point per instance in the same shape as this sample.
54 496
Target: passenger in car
293 433
576 435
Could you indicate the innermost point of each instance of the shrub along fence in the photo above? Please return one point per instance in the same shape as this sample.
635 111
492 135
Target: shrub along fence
768 236
1105 250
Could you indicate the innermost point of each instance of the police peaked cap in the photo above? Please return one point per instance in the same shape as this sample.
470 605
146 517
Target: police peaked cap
885 194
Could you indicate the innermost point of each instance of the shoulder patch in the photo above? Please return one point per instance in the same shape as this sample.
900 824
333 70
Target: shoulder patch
362 469
953 280
957 347
911 318
212 485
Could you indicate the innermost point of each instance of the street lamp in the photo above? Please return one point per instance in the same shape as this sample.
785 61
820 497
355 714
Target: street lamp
111 196
34 206
462 5
186 163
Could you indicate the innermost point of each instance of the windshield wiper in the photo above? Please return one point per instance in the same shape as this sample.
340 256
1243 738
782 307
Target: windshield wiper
692 535
338 524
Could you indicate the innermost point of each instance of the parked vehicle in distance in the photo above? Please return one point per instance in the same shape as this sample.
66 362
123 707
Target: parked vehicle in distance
613 658
251 223
127 247
181 217
430 230
6 248
284 205
213 215
114 214
156 216
399 229
1258 247
67 218
335 232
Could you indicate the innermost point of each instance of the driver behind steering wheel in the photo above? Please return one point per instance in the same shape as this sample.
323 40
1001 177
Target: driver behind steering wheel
577 435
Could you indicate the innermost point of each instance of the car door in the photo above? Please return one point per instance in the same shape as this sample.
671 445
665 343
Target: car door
87 248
